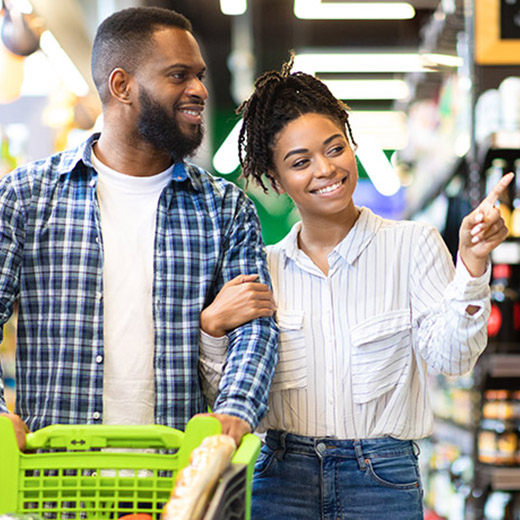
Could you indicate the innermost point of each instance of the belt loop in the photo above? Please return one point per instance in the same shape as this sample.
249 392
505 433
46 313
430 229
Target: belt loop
416 449
358 448
280 452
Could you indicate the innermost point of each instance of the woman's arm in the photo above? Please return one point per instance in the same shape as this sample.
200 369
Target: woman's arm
239 301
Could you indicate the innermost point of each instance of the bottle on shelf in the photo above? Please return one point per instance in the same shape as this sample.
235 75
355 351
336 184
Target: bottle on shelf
514 225
503 326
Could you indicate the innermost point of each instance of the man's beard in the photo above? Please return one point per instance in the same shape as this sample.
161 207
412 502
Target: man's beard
161 129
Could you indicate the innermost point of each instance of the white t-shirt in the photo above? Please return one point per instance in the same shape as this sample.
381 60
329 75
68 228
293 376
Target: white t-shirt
128 207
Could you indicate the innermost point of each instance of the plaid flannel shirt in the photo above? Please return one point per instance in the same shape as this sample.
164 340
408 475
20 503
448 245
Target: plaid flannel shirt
51 258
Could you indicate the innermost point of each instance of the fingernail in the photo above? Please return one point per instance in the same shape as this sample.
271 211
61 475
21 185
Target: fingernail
479 217
474 240
476 229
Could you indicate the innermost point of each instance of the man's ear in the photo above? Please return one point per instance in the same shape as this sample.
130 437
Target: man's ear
119 85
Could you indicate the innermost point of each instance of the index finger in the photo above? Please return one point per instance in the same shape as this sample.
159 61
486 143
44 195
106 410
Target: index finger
496 192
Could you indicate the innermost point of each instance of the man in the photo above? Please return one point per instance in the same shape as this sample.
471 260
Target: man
113 249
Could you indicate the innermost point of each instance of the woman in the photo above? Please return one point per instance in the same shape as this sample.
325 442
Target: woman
365 307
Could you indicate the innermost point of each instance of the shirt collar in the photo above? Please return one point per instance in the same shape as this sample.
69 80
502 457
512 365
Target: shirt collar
181 172
357 239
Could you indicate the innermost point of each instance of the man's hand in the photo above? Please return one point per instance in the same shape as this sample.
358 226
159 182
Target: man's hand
20 429
240 300
483 230
231 425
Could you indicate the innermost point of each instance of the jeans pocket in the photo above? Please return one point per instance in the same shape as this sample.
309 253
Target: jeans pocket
264 461
399 472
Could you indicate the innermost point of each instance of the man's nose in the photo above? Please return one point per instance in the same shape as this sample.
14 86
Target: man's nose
197 88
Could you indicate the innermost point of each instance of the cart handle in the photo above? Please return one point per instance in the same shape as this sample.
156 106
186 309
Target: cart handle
88 436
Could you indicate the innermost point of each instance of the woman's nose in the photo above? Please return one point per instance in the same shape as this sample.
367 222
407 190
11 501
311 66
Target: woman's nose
324 167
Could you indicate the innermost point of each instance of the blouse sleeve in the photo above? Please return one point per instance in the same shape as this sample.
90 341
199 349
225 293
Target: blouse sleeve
447 337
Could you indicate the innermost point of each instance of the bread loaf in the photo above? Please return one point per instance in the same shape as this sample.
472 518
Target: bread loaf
195 483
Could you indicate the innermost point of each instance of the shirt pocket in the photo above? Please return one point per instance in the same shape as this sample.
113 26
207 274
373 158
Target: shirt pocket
381 352
291 369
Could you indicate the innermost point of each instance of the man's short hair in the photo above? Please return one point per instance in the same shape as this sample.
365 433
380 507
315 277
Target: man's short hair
123 37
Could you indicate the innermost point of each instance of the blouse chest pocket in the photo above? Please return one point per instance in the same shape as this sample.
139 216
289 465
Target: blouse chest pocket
381 354
291 370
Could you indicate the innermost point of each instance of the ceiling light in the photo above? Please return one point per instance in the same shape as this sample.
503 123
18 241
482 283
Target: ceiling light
446 60
22 6
311 63
385 128
349 89
319 10
233 7
69 74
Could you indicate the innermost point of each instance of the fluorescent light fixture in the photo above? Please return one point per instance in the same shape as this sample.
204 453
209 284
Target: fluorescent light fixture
320 10
378 168
22 6
386 129
69 74
233 7
225 160
349 89
445 60
311 62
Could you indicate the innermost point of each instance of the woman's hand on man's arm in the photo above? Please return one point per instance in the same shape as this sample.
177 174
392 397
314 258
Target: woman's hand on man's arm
240 300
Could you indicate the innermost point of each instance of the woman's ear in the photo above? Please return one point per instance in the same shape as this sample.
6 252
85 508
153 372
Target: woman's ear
274 183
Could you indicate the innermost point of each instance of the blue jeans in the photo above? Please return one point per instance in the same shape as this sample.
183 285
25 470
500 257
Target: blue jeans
305 478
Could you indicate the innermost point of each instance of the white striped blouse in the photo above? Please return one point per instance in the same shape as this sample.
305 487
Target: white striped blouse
355 346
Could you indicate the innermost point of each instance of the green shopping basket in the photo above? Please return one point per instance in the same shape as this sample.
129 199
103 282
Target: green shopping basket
67 473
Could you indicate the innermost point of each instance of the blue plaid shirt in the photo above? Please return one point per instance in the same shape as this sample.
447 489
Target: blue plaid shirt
51 259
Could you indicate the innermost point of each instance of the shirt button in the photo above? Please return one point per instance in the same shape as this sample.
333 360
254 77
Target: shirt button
92 183
99 359
99 295
96 416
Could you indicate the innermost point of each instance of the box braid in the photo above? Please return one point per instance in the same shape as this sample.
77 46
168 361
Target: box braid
279 98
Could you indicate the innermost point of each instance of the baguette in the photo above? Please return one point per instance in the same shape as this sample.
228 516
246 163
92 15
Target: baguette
195 483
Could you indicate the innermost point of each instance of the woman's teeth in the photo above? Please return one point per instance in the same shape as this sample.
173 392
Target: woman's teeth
329 188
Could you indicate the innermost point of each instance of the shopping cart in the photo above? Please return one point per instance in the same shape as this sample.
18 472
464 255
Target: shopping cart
67 471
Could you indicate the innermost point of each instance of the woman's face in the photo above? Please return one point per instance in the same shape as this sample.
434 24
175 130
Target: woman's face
315 165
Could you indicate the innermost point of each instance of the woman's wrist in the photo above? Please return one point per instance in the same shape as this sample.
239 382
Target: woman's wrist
210 324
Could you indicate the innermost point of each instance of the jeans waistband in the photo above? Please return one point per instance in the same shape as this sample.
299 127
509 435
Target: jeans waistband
288 442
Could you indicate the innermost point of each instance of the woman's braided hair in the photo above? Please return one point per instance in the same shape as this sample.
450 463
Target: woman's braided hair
277 99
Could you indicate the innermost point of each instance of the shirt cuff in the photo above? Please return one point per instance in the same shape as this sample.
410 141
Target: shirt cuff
469 287
214 349
468 290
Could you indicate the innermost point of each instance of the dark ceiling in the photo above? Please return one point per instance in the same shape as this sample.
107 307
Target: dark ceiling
276 30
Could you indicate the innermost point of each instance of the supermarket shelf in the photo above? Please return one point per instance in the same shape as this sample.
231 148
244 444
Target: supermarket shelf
508 252
499 478
445 430
501 365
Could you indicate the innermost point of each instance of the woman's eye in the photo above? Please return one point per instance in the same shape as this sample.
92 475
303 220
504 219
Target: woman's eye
300 164
337 149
